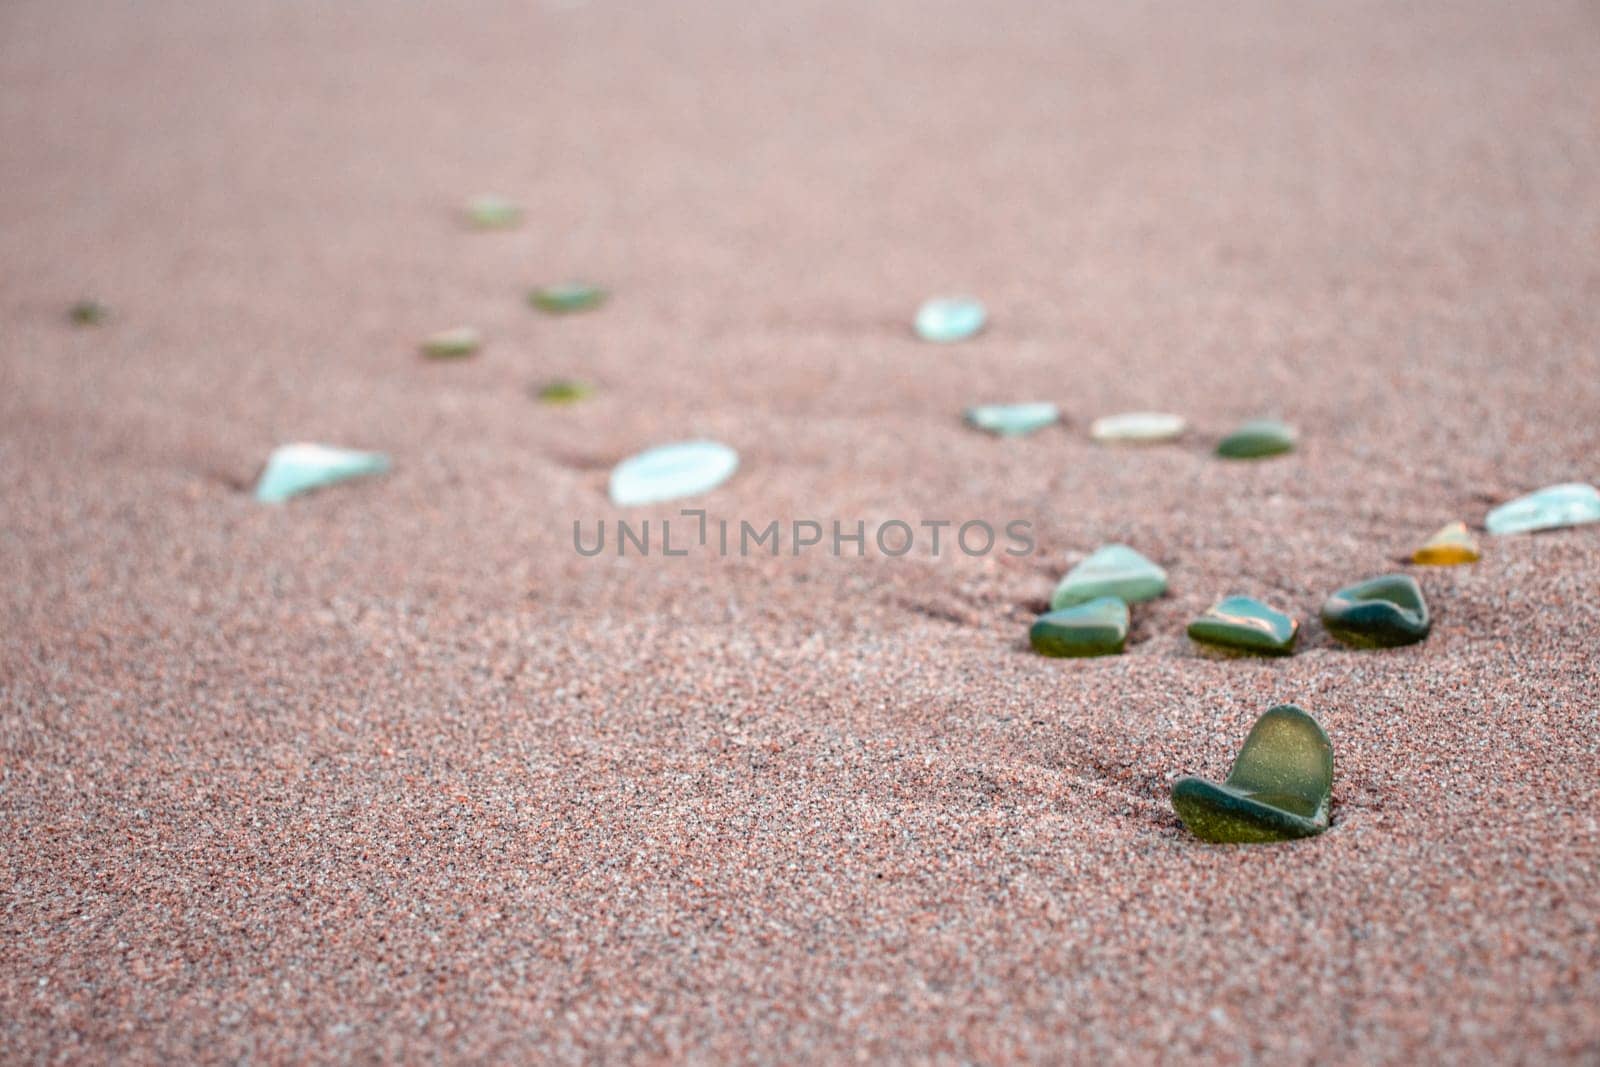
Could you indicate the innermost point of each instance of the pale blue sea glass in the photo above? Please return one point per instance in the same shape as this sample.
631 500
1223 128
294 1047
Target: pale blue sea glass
1112 570
670 472
300 468
1572 504
1013 420
950 319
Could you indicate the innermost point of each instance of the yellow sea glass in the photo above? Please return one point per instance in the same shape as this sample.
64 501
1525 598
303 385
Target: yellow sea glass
1450 546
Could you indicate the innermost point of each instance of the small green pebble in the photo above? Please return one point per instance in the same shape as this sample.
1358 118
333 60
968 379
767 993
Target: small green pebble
453 344
569 297
1098 628
1258 439
565 392
1279 789
88 313
493 213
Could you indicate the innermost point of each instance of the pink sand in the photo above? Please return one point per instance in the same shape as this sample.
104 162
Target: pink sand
391 773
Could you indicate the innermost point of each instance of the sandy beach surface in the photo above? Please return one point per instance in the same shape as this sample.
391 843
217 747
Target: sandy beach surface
391 772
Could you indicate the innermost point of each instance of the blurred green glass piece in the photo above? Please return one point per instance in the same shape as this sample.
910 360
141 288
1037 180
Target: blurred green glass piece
1280 787
300 468
1242 624
1013 420
565 391
1097 628
568 297
1111 570
493 213
452 344
1383 612
949 319
1571 504
1137 428
88 313
1257 439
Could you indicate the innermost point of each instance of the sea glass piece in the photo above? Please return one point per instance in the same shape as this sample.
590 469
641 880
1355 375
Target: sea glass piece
88 313
672 471
1111 570
493 213
1279 789
568 297
1257 439
1571 504
300 468
1013 420
949 319
564 391
452 344
1137 428
1242 624
1383 612
1096 628
1450 546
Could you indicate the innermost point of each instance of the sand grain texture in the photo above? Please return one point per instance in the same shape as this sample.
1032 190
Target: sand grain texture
391 772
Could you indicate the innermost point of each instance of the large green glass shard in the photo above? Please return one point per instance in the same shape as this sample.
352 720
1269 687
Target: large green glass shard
950 319
1381 612
567 298
452 344
1280 787
1241 624
493 213
1112 570
1572 504
1137 428
1257 439
300 468
672 471
1098 628
1013 420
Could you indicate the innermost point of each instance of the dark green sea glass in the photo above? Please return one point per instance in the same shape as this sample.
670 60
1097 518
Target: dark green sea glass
1279 788
1241 624
87 313
1097 628
1258 439
1381 612
567 298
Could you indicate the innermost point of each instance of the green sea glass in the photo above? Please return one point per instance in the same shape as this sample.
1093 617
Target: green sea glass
1258 439
1013 420
88 313
564 391
1383 612
493 213
567 298
950 319
1571 504
1242 624
1097 628
300 468
1111 570
452 344
1279 789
